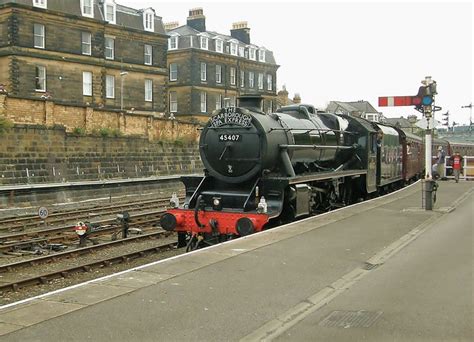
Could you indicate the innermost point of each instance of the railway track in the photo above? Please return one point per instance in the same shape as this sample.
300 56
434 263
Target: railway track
57 234
83 267
77 252
63 217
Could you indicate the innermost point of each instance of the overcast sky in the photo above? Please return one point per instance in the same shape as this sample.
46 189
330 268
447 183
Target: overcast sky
351 50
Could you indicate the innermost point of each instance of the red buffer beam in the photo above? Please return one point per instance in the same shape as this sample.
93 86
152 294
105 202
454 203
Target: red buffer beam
389 101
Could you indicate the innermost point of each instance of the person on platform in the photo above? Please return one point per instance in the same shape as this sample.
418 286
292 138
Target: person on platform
440 159
456 162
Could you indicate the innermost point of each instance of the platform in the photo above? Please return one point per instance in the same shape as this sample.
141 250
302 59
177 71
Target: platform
380 270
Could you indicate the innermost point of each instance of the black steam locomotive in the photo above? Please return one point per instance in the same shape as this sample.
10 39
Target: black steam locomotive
264 168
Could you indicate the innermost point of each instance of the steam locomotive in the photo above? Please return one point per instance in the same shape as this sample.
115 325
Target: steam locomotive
263 169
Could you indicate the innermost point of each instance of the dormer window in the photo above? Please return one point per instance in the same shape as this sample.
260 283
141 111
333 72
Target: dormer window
219 45
252 54
109 10
241 51
87 8
261 55
204 42
40 3
149 20
173 42
233 48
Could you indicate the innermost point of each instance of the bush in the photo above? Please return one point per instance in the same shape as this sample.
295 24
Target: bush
109 132
5 124
79 131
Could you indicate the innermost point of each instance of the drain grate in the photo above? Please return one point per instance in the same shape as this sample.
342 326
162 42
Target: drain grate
350 319
368 266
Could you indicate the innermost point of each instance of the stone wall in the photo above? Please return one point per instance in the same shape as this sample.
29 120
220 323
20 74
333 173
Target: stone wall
90 119
37 154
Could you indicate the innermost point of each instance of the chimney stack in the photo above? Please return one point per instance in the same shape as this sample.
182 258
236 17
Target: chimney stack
197 20
297 98
171 25
241 31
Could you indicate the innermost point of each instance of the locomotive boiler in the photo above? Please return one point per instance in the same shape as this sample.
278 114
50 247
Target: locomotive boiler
262 168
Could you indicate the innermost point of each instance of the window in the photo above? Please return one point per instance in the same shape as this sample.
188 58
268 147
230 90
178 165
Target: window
269 82
252 54
87 83
87 8
148 54
218 73
260 81
261 55
86 43
149 20
218 101
109 10
173 43
232 76
251 79
39 36
203 102
110 87
270 107
241 51
232 101
148 90
219 45
203 72
109 47
173 72
204 42
242 78
40 79
40 3
233 49
173 102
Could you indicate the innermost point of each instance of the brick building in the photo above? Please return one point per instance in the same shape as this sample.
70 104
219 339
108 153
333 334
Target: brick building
84 52
209 70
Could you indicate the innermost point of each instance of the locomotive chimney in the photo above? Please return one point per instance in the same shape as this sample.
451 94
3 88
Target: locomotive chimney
241 31
197 20
251 101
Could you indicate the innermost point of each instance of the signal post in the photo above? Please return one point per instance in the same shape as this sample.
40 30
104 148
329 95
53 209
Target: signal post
424 103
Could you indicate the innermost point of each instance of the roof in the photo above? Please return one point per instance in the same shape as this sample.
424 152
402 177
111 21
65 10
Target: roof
349 107
125 16
191 33
399 122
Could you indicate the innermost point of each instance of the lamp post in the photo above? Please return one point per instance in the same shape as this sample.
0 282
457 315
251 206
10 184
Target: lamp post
122 75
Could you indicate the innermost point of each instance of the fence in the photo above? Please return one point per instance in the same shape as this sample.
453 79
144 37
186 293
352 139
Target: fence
467 168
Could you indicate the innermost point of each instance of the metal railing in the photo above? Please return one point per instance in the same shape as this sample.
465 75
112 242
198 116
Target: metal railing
467 171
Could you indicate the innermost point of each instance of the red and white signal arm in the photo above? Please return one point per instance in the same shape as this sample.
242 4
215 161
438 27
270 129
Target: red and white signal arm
80 228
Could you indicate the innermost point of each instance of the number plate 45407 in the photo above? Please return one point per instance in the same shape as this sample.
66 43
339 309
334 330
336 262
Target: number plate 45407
230 137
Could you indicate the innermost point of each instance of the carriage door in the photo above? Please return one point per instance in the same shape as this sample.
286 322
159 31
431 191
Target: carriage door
372 163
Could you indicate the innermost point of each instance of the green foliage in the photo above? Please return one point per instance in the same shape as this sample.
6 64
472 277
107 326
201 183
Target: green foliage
109 132
5 124
79 131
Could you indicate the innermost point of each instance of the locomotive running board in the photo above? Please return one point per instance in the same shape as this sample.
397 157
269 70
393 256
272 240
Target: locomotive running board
323 176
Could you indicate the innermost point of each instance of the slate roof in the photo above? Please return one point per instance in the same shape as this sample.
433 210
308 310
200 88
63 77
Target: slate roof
400 122
125 16
349 107
190 33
